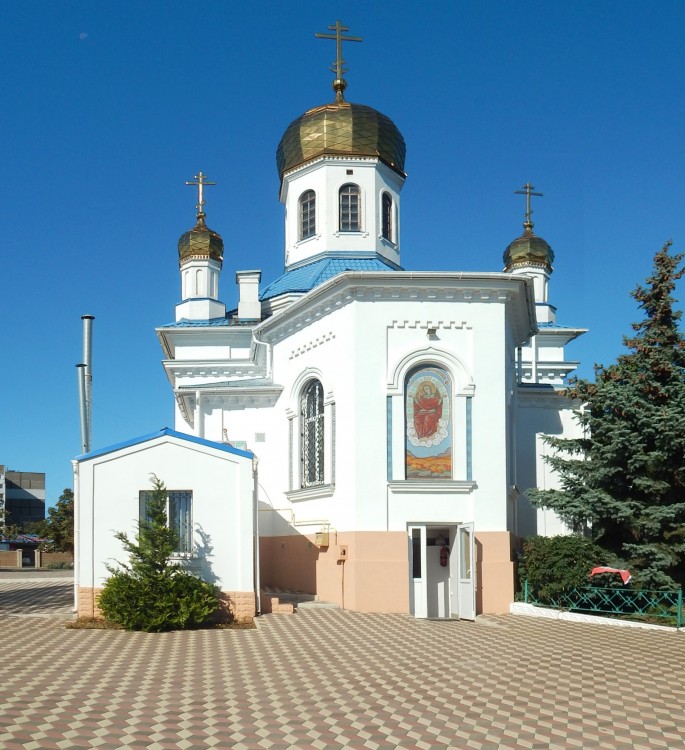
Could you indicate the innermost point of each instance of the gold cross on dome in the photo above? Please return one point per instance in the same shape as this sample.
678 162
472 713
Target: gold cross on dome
339 65
200 180
527 190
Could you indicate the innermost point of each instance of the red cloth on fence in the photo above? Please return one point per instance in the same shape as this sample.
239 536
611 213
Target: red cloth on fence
625 574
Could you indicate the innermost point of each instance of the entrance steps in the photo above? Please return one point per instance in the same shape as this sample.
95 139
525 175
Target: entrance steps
277 601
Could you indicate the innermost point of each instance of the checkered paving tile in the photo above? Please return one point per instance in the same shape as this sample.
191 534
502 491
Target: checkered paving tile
338 679
34 595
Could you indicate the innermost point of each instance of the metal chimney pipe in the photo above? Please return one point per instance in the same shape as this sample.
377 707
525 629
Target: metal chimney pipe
85 442
88 363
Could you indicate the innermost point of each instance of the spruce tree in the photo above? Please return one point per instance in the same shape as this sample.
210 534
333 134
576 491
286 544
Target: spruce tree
625 478
152 592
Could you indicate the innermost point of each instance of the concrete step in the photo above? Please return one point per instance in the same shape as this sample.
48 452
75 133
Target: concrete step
318 605
277 600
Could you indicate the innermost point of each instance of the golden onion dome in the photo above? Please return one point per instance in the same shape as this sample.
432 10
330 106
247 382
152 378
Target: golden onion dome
528 250
341 129
200 242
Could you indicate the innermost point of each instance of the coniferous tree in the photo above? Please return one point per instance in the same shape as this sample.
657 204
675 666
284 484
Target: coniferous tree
625 478
151 592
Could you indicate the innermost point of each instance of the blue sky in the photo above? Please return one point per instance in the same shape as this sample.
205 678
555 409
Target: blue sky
110 106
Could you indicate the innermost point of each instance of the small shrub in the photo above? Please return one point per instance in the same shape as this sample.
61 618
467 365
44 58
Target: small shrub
60 566
172 600
151 593
553 565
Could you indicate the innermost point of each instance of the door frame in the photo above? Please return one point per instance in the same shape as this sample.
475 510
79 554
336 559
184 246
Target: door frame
462 569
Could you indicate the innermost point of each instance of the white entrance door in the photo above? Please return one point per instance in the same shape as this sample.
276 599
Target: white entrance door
466 563
418 594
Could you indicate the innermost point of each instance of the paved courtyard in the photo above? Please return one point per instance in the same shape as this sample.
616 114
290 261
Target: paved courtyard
332 679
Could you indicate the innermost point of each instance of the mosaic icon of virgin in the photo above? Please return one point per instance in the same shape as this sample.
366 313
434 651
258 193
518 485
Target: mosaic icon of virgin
427 410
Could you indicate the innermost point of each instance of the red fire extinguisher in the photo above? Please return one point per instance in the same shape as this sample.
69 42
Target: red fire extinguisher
444 556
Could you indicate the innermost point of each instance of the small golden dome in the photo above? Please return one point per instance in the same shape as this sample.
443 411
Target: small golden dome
528 250
341 129
200 242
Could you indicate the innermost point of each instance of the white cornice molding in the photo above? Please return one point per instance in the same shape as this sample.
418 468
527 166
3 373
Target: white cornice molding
212 369
255 396
311 493
351 286
432 487
544 396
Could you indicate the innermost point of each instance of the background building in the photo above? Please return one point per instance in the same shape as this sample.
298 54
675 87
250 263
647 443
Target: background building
24 496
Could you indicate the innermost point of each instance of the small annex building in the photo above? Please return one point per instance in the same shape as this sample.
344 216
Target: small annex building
210 505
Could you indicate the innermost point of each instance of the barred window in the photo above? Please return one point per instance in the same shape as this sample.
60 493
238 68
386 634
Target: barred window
307 214
312 433
179 517
386 219
349 208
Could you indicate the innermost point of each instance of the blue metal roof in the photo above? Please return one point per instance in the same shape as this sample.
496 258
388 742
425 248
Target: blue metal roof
555 325
212 322
304 278
161 433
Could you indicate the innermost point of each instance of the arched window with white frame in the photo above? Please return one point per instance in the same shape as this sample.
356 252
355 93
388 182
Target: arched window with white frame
350 208
307 214
312 434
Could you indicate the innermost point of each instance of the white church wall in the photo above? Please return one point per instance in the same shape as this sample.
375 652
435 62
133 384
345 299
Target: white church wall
540 412
324 350
489 424
361 340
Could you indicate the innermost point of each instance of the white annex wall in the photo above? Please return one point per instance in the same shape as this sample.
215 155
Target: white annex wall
222 507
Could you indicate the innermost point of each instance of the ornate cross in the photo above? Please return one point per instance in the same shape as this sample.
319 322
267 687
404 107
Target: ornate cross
200 180
527 190
339 65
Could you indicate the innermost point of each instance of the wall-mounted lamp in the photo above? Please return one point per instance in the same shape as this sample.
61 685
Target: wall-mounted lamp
431 333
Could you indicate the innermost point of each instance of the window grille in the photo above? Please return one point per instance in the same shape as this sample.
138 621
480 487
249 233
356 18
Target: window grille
349 209
387 216
179 517
307 214
312 423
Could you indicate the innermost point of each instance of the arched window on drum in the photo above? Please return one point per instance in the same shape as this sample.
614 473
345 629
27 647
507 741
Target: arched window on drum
350 220
428 423
307 214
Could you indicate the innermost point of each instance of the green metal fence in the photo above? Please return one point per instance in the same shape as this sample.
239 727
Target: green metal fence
629 604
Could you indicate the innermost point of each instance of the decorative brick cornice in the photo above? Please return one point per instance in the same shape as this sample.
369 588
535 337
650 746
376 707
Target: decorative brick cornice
374 286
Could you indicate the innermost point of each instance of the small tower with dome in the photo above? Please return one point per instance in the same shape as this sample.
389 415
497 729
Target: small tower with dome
530 255
200 256
542 360
341 167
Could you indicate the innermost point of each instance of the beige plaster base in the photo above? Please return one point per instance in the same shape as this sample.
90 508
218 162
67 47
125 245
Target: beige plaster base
88 602
372 578
238 605
495 571
288 563
375 574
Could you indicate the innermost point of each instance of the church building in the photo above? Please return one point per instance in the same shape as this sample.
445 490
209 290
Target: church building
392 418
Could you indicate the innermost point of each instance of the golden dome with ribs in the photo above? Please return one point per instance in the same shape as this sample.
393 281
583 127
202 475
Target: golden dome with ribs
200 242
341 129
528 250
